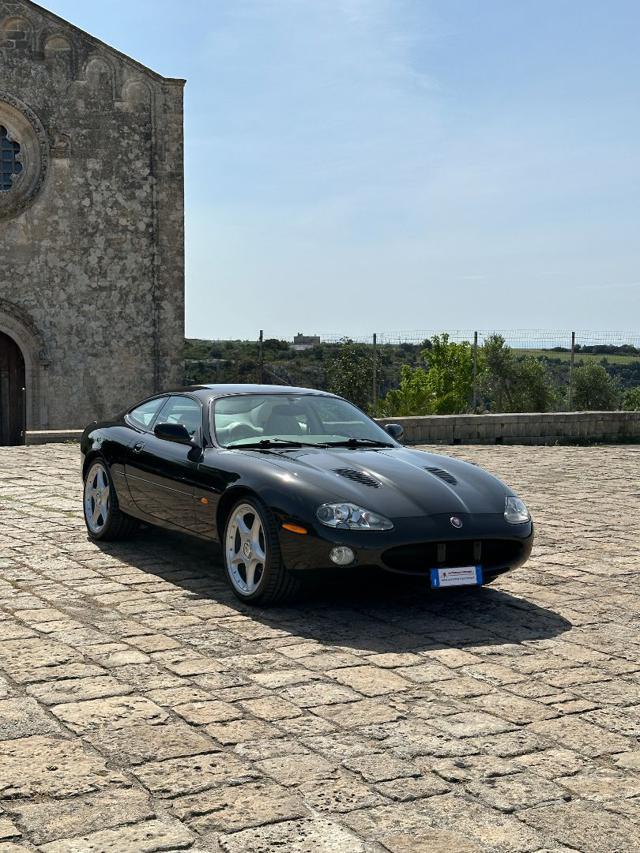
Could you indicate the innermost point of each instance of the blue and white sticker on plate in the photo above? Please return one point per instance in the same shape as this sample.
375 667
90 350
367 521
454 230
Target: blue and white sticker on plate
458 576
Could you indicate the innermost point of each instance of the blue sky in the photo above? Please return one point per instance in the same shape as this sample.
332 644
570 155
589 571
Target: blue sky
374 165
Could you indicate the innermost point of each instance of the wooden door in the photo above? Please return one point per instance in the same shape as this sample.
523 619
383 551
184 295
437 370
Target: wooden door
12 392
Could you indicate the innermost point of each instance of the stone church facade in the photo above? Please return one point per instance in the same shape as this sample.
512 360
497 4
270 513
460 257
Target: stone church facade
91 226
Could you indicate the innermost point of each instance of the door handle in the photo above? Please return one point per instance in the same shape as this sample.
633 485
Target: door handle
138 447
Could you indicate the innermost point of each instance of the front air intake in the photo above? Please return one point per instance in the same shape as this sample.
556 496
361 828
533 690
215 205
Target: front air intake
444 475
420 557
358 477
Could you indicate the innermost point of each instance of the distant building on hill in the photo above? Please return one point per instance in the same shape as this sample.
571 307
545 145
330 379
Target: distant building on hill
302 342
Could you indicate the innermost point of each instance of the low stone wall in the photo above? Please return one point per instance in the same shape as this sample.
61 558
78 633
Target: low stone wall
51 436
534 428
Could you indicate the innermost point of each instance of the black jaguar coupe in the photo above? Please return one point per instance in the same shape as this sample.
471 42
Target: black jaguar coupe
289 480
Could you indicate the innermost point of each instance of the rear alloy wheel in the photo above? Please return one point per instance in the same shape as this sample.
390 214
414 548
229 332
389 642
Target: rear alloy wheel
252 558
100 503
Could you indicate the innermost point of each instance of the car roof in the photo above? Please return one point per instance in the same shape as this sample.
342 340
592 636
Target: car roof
212 391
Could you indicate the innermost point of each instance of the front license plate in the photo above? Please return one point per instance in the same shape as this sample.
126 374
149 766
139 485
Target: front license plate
460 576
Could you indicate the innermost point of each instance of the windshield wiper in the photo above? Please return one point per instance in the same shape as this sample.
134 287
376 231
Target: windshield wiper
358 442
266 443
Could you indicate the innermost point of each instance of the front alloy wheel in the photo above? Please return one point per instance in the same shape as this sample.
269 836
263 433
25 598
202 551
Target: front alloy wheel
252 559
100 504
246 553
97 499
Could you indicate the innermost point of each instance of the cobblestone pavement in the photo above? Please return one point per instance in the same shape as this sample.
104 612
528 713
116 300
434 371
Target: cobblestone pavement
143 709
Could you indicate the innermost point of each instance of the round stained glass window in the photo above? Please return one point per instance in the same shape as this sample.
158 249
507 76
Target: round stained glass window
24 156
10 160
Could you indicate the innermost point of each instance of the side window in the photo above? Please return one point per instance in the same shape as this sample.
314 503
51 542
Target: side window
143 415
182 410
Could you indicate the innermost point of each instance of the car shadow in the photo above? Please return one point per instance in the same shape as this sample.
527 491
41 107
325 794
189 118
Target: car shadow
376 613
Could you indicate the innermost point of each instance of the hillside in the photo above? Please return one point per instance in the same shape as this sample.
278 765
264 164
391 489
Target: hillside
238 361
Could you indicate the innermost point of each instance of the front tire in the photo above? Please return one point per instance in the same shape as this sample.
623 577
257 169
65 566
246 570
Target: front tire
252 558
102 515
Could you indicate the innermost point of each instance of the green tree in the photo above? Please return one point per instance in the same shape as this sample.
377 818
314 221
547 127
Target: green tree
349 372
498 375
413 396
594 389
443 386
450 371
515 384
631 401
534 389
274 345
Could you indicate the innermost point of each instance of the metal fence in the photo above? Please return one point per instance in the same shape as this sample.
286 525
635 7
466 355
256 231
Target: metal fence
529 339
559 342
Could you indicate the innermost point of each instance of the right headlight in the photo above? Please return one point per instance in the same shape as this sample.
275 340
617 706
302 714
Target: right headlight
515 511
351 517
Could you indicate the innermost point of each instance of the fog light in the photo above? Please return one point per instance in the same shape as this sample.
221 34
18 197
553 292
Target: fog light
342 555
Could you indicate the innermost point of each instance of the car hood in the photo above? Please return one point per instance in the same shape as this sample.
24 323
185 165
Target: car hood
396 482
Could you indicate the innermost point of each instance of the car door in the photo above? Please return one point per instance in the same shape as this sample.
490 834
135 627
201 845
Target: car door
138 424
161 473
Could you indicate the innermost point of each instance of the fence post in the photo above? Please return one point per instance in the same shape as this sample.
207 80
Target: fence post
573 355
375 373
474 406
261 358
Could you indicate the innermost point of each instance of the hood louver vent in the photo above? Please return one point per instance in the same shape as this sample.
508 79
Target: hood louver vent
444 475
358 477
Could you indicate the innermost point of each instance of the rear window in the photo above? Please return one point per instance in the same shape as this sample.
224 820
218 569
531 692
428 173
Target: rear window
142 416
182 410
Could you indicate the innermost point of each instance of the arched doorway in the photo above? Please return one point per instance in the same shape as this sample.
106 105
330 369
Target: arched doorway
12 392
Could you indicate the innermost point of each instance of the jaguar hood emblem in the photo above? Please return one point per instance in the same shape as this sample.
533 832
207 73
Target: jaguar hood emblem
455 522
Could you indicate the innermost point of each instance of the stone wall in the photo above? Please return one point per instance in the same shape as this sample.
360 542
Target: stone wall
552 428
91 233
536 428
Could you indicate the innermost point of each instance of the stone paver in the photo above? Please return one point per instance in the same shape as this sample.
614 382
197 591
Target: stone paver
143 709
45 821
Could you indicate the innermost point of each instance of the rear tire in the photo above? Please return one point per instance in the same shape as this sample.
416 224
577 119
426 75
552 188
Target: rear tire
105 522
252 558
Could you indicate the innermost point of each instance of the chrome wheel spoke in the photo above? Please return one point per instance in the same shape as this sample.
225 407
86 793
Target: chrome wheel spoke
250 574
242 527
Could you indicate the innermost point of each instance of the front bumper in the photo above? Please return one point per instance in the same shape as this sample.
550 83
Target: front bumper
416 545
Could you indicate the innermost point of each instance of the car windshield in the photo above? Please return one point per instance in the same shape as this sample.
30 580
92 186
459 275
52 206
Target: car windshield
267 420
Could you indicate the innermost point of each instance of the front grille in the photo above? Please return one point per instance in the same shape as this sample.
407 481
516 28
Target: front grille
358 477
419 558
444 475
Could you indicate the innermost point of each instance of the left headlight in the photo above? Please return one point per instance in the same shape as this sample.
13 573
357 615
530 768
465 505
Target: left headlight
515 511
351 517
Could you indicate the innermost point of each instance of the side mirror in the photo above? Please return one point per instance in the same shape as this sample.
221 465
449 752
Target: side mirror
173 432
395 431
